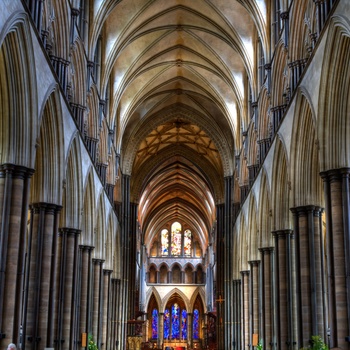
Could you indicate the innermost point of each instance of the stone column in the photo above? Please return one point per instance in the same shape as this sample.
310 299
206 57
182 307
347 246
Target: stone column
96 299
245 309
254 302
267 304
106 308
337 206
14 193
237 304
220 280
85 282
116 318
40 284
309 261
161 330
68 247
190 329
284 307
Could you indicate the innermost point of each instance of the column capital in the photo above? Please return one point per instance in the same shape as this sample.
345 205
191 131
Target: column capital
305 209
334 175
254 262
87 247
245 273
282 233
48 207
107 271
75 12
17 171
266 250
284 15
97 261
68 231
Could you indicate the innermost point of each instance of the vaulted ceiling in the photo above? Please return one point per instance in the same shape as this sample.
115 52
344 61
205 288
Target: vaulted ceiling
178 72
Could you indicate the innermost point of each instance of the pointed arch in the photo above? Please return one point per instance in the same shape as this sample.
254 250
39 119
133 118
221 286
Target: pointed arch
93 113
264 212
334 100
243 244
72 193
48 181
280 188
280 79
18 98
88 220
100 229
254 235
306 182
78 72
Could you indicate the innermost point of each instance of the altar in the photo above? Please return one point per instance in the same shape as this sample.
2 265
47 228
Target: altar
178 345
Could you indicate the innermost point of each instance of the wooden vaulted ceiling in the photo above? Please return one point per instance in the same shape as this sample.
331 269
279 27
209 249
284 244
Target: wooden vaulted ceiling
177 71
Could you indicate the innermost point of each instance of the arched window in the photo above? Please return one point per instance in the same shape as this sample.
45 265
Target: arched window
175 318
176 238
155 324
195 324
187 243
175 242
184 325
165 242
175 324
166 324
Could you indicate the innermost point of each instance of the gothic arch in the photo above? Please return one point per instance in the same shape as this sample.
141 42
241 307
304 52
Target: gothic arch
112 253
152 293
254 236
88 220
334 98
61 28
72 191
198 296
298 29
49 154
18 98
100 229
212 179
252 153
78 73
146 126
306 182
264 211
92 129
279 76
172 293
243 244
263 119
280 188
236 268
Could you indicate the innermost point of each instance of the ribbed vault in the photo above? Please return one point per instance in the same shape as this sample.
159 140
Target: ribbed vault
176 72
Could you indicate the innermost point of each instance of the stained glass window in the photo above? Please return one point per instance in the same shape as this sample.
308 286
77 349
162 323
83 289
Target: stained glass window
175 315
155 324
166 324
184 325
165 242
187 242
195 324
176 238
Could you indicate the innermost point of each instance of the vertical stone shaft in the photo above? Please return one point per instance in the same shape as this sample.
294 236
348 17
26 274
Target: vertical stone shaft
267 318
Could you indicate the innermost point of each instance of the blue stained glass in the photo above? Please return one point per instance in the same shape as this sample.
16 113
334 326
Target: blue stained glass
184 325
195 324
175 314
166 324
155 324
